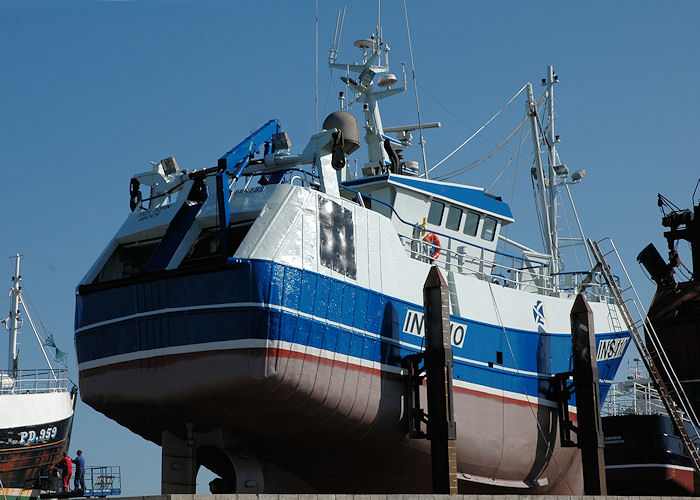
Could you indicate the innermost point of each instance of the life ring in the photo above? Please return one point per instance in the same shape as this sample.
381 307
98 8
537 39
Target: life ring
433 245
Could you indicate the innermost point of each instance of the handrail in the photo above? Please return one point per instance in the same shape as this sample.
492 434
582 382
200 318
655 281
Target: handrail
524 263
34 381
279 171
418 226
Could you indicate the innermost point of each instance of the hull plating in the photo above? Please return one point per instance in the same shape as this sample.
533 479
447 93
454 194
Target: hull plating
24 452
301 366
295 409
645 456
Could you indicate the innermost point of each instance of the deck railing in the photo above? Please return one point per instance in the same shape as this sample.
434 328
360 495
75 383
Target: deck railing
34 381
103 480
633 397
464 257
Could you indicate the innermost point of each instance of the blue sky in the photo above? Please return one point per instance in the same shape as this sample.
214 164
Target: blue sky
91 91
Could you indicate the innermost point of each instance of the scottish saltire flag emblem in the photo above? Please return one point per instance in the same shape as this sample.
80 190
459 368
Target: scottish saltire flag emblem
538 312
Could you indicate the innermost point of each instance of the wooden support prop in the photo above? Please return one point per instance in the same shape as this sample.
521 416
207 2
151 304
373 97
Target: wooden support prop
585 374
442 429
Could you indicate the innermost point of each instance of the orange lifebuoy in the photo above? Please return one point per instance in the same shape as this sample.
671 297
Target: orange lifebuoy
434 245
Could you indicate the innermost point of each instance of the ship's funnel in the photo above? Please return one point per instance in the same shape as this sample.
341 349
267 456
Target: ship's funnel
346 123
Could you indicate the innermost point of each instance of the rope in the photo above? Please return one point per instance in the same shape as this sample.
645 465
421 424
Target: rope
480 129
522 383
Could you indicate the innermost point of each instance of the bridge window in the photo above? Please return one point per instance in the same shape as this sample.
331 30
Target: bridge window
454 217
471 224
489 229
435 213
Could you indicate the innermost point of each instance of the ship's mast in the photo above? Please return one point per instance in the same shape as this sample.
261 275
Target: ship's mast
540 177
552 163
375 60
547 182
14 321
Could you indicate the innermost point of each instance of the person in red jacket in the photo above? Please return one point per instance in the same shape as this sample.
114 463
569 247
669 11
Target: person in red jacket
66 466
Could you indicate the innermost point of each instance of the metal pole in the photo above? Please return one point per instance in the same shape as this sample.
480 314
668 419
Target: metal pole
13 322
585 373
539 172
552 161
442 429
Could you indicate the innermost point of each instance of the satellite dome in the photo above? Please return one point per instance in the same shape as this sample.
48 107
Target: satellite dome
363 44
387 80
346 123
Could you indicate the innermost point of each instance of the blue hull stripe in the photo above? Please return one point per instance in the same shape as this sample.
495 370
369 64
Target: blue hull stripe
266 301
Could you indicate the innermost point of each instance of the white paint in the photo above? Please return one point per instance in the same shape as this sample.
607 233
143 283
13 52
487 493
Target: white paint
34 409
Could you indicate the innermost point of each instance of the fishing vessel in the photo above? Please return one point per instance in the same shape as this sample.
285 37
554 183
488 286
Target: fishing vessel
644 454
675 309
254 316
37 409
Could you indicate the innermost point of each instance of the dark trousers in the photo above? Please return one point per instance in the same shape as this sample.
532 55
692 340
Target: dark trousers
79 481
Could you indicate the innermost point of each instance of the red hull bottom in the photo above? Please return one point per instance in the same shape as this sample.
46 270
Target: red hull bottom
320 425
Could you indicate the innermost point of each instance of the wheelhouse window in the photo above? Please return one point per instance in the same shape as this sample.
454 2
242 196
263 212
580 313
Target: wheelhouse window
435 213
471 223
454 217
489 229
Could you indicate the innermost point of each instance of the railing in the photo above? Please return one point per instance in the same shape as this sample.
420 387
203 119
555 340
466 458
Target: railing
464 257
288 176
633 397
34 381
591 284
510 270
102 480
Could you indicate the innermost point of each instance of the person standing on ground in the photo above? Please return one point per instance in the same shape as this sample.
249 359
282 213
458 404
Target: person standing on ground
79 481
67 469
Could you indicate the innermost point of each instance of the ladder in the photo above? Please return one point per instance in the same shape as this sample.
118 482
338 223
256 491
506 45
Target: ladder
652 353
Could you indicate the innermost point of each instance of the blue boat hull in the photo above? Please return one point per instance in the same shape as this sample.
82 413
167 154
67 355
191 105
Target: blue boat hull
299 365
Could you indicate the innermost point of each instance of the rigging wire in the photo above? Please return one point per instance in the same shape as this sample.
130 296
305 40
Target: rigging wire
540 222
522 383
415 91
316 69
503 170
36 334
445 108
512 178
484 158
498 147
518 167
480 129
506 229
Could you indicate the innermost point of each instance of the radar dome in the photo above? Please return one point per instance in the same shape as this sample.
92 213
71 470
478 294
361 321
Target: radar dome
346 123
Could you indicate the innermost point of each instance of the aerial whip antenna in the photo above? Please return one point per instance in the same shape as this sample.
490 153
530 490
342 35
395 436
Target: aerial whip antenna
338 33
415 91
316 71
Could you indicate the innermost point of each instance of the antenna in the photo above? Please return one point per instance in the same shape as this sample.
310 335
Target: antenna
316 72
415 91
14 321
338 33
